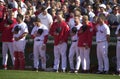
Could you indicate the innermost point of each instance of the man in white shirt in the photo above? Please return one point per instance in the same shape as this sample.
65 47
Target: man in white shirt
45 17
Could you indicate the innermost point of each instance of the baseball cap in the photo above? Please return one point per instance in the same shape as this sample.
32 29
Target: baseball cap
102 6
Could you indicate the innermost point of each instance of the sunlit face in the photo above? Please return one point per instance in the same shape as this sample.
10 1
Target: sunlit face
18 19
76 19
1 3
44 12
77 3
116 10
11 14
85 19
99 20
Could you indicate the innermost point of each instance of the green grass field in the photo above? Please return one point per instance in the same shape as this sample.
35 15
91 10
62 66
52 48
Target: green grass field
11 74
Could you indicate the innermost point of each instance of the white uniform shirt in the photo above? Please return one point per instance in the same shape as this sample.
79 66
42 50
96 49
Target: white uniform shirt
102 31
24 29
45 32
71 22
117 32
75 37
46 19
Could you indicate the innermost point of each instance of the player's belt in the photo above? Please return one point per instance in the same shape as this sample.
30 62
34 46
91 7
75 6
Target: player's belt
74 40
38 40
118 39
101 41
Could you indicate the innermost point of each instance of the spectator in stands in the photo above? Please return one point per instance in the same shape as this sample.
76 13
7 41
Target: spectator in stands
65 12
45 17
90 12
114 19
102 9
22 7
29 21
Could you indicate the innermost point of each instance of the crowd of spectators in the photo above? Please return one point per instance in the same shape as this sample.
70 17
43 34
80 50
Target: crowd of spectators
32 8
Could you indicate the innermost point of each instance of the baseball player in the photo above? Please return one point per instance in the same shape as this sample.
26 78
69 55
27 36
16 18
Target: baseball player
60 31
20 31
118 49
7 38
102 39
39 33
84 43
74 48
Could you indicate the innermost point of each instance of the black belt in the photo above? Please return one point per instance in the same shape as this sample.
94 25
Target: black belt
118 39
74 40
38 40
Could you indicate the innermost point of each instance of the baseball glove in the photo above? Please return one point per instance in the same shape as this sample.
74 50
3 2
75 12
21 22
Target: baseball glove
1 19
74 30
119 30
116 23
17 29
9 21
84 28
58 30
40 31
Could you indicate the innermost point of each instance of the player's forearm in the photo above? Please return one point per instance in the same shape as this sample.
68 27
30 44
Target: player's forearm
23 35
108 38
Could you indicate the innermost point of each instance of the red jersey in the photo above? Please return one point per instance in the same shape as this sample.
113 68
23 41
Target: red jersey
2 11
85 38
64 33
91 30
7 35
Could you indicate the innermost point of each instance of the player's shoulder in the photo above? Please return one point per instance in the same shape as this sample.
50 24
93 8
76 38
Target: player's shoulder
44 26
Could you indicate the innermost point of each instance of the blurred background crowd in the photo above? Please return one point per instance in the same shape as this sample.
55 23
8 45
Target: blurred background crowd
32 8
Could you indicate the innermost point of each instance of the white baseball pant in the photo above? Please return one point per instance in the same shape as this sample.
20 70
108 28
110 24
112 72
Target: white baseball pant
72 52
5 47
39 54
118 55
85 58
102 56
60 50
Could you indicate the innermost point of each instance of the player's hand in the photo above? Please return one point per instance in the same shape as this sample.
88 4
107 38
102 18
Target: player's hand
15 32
86 47
43 47
72 34
16 38
80 31
60 42
56 33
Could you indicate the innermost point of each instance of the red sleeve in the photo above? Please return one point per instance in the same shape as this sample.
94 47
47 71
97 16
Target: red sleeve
65 33
90 33
45 39
32 36
2 26
52 29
